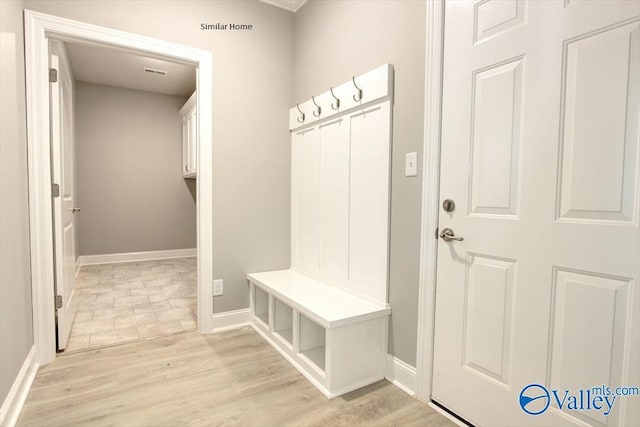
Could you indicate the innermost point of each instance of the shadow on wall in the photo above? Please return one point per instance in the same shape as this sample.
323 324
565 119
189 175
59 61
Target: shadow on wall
191 186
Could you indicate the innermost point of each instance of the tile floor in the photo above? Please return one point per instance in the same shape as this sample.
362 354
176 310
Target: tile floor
125 302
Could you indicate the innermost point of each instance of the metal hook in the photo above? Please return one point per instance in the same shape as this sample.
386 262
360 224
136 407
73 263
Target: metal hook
300 119
317 112
337 105
359 97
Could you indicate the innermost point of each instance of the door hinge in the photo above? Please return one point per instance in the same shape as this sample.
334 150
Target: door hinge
53 75
58 302
437 233
55 190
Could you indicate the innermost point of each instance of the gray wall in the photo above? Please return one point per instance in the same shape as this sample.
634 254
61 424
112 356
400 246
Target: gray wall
337 39
252 92
129 172
16 337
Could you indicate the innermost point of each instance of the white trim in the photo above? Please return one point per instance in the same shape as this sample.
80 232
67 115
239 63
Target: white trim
136 256
294 5
38 28
401 375
446 415
12 405
430 197
230 320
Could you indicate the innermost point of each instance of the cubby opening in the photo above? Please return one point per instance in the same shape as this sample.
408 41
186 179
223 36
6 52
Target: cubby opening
283 321
261 305
312 342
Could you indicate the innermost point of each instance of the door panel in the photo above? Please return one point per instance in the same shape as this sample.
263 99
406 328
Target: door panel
62 149
540 155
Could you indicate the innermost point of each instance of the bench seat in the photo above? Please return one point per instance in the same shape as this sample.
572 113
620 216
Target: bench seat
336 339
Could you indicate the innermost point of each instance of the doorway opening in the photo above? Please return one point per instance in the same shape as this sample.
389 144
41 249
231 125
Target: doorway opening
174 270
124 214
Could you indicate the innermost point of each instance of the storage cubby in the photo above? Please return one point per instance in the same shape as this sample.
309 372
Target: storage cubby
261 305
283 321
312 342
337 340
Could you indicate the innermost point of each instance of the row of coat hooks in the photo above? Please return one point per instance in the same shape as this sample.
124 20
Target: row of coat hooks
334 105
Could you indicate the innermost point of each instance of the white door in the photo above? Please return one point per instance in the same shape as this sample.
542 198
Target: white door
540 156
62 153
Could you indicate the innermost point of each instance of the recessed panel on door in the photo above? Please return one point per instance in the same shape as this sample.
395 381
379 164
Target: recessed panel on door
588 331
496 138
599 136
494 17
488 315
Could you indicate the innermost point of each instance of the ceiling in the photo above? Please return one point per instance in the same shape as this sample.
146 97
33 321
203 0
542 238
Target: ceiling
112 67
290 5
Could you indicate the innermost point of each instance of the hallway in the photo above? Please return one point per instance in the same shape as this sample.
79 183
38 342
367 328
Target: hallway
124 302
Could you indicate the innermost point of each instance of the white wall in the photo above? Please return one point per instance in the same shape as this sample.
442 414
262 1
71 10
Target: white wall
129 172
16 337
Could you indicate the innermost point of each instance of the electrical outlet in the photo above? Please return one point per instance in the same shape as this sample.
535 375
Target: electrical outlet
411 164
218 287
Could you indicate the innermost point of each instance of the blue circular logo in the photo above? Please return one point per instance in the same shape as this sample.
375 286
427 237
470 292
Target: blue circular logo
534 399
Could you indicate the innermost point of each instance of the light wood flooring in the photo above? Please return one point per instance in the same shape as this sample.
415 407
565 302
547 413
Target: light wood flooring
128 301
231 378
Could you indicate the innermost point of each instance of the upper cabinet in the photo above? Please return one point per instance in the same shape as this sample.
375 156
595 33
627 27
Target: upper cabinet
189 137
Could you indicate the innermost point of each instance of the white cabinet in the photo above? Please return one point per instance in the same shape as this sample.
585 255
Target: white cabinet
189 115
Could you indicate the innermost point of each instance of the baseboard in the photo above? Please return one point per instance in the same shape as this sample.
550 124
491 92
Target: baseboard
12 405
402 375
136 256
230 319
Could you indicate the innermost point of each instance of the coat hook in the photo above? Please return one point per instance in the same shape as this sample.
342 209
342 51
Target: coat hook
337 104
317 112
359 95
301 118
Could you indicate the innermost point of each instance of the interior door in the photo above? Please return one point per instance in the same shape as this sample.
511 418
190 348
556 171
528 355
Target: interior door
62 153
540 156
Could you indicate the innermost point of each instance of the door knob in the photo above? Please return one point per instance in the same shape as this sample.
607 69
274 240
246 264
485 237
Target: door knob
74 210
448 235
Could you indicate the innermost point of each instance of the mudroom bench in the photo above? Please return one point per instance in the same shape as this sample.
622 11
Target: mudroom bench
336 339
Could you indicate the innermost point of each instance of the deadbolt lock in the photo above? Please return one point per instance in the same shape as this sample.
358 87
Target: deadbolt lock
448 205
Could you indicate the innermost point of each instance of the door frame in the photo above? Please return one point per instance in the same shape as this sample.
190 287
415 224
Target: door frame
39 27
430 197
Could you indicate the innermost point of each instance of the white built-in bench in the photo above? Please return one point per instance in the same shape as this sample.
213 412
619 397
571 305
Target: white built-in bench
328 315
334 338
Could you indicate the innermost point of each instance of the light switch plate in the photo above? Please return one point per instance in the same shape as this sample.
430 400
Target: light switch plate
218 287
411 164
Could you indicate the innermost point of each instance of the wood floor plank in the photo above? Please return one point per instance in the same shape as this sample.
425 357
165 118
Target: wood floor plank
233 378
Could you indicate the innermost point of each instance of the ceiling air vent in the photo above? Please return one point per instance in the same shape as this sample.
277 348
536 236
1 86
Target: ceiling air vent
154 71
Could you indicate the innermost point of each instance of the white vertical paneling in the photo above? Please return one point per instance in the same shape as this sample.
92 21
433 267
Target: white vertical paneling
306 186
340 188
334 198
369 202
